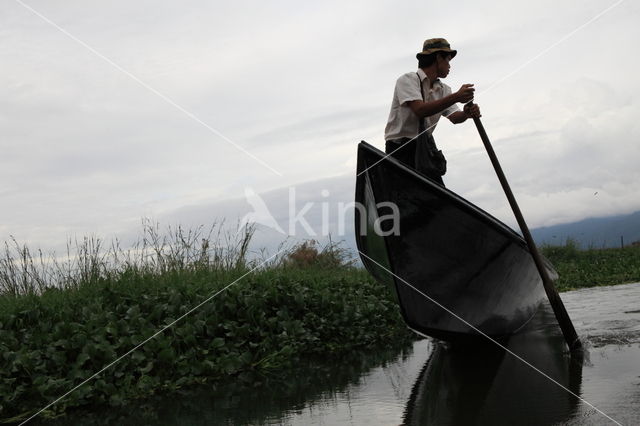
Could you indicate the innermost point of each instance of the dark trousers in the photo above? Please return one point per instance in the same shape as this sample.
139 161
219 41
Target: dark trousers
404 150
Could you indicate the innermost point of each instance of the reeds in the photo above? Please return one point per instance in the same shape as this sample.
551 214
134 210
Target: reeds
156 252
89 260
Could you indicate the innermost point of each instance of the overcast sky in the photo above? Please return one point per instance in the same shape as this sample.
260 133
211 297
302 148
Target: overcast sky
111 111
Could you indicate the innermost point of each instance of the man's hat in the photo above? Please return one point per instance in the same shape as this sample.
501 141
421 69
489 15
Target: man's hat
436 45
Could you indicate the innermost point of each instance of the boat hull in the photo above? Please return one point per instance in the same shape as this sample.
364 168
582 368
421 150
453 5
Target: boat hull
455 269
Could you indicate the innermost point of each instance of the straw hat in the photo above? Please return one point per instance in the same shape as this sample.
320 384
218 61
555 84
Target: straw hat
436 45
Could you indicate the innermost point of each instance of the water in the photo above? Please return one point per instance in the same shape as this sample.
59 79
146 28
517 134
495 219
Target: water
429 383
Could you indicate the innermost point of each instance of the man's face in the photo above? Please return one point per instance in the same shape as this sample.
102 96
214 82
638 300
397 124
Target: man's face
443 65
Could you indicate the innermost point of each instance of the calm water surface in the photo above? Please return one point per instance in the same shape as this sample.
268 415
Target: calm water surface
429 383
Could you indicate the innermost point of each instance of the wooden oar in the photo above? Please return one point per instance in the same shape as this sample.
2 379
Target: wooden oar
559 310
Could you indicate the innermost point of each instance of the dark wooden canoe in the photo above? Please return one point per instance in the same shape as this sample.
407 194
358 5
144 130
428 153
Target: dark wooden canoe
446 248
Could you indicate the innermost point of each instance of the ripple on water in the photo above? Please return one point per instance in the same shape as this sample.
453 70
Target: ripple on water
606 315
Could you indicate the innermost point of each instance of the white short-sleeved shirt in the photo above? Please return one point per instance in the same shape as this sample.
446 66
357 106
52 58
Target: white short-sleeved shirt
403 123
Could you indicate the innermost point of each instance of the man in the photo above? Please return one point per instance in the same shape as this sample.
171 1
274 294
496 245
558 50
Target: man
422 95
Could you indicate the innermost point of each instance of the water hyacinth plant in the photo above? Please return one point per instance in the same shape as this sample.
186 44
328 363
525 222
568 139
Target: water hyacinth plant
593 267
64 319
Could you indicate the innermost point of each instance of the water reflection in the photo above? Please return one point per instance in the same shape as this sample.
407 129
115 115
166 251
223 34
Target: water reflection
487 385
252 399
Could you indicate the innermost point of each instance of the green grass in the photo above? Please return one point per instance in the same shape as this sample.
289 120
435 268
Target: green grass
593 267
307 303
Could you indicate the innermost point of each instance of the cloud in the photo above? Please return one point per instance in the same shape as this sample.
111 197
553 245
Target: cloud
588 146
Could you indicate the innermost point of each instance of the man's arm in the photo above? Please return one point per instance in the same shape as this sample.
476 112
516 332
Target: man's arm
469 111
458 117
426 109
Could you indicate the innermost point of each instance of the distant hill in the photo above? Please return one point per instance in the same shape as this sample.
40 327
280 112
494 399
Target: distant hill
595 232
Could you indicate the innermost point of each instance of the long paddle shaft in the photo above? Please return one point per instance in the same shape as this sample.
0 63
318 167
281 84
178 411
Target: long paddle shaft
552 294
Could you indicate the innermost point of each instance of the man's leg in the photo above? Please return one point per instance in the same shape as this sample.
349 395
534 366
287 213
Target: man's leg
403 150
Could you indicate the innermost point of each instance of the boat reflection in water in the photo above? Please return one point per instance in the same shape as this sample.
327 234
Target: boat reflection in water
486 385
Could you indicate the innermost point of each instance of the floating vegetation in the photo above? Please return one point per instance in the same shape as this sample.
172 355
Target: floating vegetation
593 267
61 321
